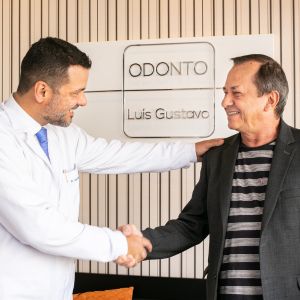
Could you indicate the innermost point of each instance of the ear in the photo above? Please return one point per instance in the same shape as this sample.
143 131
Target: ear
272 101
42 91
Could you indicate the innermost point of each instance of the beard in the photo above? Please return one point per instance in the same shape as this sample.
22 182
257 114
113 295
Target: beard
55 115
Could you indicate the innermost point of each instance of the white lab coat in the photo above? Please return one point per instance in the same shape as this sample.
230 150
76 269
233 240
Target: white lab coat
40 235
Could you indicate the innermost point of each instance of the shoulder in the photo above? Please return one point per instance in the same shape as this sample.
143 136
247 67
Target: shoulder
230 141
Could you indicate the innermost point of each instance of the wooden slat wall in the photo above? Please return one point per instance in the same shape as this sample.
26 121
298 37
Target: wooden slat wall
146 199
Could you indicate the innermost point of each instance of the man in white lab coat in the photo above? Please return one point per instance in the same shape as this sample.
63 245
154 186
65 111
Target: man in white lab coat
41 153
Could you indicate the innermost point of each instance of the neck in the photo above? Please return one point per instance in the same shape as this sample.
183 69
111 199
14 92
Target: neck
266 135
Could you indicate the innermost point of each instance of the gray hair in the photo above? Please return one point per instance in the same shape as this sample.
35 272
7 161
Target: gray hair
269 77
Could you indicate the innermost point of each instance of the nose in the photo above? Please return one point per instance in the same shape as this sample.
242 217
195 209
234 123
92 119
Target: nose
82 101
227 101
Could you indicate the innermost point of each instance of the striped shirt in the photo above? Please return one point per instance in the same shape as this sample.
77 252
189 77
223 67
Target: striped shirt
240 270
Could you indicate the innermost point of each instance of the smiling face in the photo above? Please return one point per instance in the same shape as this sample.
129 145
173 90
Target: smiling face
59 109
244 108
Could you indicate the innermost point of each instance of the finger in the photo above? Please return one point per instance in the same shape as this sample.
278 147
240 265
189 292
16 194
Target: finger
130 262
135 230
215 142
121 259
126 229
125 260
147 245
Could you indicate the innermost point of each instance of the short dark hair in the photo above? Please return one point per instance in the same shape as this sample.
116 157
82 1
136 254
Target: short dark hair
269 77
49 60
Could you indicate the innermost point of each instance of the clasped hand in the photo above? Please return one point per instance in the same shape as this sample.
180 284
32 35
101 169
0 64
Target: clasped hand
138 246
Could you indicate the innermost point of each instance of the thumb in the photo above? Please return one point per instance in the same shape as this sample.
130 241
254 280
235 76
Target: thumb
125 229
147 244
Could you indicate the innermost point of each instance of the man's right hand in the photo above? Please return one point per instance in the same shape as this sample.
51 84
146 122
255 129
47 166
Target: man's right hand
138 246
204 146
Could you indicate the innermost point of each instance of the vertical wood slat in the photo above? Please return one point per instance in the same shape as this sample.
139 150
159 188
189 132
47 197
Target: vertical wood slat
134 20
139 211
264 16
174 19
145 212
62 19
24 27
121 19
112 20
135 209
198 18
53 17
122 192
164 19
144 19
153 215
200 264
102 20
122 207
288 56
93 32
165 201
112 211
187 18
45 18
6 50
94 211
175 176
229 12
254 16
218 17
276 28
297 61
187 175
85 212
35 20
207 18
242 17
83 19
154 19
111 35
175 208
1 49
72 24
102 214
15 41
188 257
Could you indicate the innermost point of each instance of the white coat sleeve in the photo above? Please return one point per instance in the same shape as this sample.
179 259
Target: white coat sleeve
96 155
30 217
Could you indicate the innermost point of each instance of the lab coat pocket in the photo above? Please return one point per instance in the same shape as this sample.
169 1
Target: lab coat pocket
71 176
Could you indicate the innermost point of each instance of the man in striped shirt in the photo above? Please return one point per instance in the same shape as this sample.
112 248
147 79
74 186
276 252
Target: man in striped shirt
248 196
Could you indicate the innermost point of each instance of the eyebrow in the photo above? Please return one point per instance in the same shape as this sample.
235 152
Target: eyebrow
79 90
233 88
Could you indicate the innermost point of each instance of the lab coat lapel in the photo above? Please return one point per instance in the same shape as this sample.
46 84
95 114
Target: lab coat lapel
34 145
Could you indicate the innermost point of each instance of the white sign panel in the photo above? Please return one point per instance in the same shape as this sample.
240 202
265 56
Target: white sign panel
169 90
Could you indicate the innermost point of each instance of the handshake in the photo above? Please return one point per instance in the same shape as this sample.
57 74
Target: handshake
138 246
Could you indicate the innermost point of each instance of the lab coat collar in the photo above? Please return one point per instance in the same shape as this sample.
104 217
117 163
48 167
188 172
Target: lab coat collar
19 118
22 122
